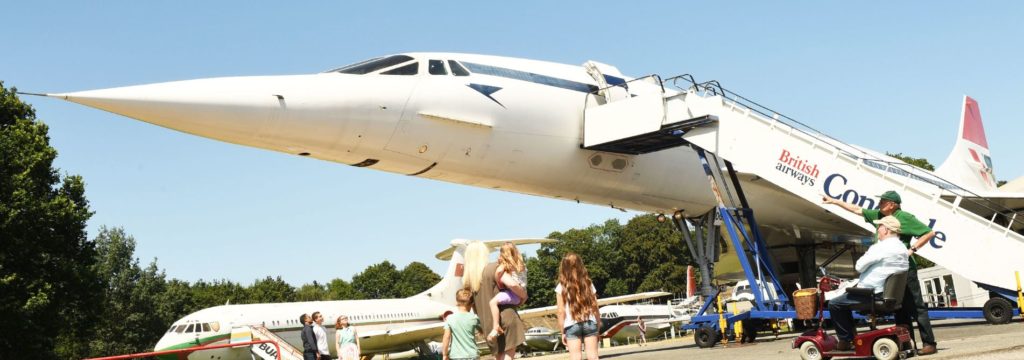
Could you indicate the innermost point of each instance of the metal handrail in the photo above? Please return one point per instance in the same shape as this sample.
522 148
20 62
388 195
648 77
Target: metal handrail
687 77
191 349
715 88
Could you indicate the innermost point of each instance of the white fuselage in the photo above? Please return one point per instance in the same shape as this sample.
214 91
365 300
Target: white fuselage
283 320
619 321
524 137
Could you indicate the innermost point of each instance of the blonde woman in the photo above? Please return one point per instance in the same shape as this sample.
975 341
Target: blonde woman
346 339
578 313
479 277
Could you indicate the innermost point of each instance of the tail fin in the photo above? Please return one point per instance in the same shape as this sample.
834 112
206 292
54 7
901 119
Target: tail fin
970 163
444 291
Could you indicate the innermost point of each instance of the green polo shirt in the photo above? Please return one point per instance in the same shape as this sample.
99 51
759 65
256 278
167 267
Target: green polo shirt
910 226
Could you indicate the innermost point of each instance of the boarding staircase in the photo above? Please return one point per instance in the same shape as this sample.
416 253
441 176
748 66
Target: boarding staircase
756 140
243 334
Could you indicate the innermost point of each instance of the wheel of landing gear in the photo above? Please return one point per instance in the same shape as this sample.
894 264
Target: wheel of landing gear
998 311
809 351
705 337
885 349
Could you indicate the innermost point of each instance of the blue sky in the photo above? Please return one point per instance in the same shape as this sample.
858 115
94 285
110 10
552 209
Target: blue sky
886 76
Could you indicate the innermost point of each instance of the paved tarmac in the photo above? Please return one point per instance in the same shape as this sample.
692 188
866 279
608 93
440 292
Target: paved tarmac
958 339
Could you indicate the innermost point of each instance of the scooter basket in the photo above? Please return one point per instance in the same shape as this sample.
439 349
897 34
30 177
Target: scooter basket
806 301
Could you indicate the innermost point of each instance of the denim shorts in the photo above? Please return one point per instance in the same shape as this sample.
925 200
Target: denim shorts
581 330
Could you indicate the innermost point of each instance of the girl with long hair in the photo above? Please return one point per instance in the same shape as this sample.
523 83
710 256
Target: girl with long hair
511 268
577 308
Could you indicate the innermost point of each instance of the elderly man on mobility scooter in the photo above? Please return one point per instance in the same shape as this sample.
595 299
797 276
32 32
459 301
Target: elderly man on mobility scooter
885 258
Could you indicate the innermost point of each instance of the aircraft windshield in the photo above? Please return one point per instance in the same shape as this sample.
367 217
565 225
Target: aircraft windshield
369 66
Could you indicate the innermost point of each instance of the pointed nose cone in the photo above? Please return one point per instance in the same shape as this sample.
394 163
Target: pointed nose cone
229 109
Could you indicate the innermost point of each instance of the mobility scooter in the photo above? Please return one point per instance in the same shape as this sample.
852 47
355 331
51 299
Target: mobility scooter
884 344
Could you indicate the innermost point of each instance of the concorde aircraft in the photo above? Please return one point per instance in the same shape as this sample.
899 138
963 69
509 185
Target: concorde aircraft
383 325
523 126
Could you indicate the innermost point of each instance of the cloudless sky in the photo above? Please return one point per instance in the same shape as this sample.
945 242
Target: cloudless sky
886 75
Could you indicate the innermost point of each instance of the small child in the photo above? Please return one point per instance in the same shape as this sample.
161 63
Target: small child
511 268
460 328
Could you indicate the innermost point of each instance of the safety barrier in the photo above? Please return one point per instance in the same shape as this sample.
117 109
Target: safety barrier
189 350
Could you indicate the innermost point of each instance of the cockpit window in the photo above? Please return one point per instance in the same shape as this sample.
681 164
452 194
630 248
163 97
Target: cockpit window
372 65
457 68
410 69
180 329
206 327
436 67
190 328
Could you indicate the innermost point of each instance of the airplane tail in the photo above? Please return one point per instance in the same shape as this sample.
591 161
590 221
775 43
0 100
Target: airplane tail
444 291
970 163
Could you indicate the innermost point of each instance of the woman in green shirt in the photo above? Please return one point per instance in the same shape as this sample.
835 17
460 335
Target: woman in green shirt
345 339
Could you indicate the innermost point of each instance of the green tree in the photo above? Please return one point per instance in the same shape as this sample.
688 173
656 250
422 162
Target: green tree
271 290
616 287
416 278
48 294
312 292
653 256
919 162
339 289
128 322
378 281
219 292
175 301
596 245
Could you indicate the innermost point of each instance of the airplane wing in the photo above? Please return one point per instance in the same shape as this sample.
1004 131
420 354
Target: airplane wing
552 310
433 331
402 335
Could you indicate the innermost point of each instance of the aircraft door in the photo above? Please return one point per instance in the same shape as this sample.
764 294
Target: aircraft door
609 79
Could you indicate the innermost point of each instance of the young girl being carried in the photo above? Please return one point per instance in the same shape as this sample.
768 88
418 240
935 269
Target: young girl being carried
511 270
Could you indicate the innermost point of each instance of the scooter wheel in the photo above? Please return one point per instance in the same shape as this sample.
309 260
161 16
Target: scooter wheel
885 349
809 351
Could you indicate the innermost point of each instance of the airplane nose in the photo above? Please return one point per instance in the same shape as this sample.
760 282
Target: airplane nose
164 343
232 109
331 116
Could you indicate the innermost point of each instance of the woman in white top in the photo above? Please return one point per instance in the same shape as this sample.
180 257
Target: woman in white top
577 308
